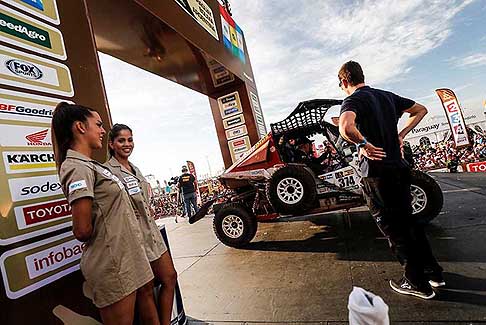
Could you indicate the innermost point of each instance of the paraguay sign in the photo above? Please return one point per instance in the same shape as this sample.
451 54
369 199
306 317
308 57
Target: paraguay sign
28 268
16 106
23 31
44 9
454 116
202 13
35 73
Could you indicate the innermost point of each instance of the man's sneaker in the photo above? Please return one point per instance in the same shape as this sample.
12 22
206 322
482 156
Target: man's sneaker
436 280
406 288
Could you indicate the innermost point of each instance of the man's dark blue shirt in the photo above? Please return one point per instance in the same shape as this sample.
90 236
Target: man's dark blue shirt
377 113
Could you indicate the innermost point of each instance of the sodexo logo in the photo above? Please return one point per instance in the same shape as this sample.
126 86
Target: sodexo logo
24 69
34 187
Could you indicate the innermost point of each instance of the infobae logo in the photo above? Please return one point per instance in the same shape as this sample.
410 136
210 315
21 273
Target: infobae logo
53 258
37 138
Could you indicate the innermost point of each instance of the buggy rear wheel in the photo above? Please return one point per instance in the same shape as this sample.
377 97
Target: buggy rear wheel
234 225
427 197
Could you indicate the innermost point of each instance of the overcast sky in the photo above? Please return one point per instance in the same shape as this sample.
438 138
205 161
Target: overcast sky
296 48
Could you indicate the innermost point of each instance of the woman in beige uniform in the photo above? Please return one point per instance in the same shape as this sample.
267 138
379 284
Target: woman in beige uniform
121 147
113 262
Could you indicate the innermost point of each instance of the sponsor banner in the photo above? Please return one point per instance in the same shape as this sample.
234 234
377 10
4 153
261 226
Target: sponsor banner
233 121
477 167
233 38
260 122
41 213
17 162
219 74
25 136
28 188
28 268
16 106
23 31
454 116
202 13
44 9
35 73
236 132
230 105
238 147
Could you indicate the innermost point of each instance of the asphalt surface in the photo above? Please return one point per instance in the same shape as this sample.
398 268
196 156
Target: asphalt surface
301 270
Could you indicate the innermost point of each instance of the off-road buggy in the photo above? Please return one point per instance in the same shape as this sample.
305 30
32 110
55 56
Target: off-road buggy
265 184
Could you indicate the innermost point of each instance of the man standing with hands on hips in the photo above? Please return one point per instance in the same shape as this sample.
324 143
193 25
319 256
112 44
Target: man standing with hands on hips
369 119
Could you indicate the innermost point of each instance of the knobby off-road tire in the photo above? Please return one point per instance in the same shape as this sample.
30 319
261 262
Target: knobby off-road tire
291 190
235 225
427 197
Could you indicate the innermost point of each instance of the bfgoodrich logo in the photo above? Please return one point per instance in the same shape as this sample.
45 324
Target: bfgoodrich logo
24 69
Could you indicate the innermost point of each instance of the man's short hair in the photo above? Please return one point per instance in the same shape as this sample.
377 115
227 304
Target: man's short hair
184 169
352 72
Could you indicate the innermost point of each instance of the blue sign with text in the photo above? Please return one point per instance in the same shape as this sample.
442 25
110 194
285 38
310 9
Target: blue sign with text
35 3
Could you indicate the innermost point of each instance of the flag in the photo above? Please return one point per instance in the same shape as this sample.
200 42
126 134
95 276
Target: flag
454 115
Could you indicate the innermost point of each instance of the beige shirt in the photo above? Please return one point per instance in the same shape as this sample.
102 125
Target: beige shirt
138 189
113 263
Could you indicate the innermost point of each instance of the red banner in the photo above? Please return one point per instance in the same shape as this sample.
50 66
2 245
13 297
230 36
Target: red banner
477 167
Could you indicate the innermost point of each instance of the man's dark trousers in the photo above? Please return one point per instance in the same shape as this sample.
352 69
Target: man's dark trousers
389 200
190 199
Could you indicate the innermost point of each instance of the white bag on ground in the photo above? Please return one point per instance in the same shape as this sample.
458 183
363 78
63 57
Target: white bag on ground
366 308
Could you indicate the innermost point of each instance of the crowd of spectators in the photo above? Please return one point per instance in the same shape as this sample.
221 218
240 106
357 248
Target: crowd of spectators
165 204
444 154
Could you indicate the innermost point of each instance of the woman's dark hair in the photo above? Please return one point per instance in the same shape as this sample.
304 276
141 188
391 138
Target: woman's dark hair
61 128
352 72
114 132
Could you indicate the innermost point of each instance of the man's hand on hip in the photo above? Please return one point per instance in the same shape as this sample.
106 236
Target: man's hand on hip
372 152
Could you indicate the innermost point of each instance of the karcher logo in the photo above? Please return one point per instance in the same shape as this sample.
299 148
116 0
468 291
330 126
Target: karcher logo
25 31
30 158
28 161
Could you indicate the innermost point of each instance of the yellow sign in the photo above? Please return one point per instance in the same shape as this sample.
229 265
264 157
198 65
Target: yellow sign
23 31
44 9
28 268
35 73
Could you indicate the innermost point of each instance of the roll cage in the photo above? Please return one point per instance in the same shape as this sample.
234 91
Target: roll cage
306 120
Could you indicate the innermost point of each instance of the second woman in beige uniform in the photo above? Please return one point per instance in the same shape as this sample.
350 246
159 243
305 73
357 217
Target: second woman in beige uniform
121 146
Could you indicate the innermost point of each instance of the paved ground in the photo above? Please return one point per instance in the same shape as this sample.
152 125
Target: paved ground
302 270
